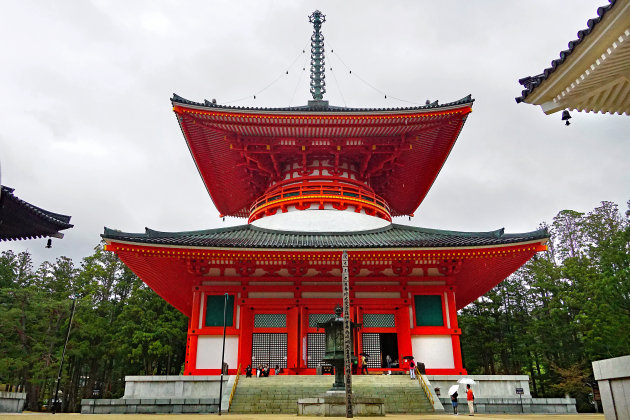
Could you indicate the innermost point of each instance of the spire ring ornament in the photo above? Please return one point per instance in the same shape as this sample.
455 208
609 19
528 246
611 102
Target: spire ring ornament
318 64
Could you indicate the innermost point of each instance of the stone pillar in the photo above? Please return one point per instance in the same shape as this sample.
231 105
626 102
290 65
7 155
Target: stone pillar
613 378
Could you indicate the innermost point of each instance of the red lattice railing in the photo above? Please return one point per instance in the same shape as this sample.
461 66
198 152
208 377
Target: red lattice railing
302 196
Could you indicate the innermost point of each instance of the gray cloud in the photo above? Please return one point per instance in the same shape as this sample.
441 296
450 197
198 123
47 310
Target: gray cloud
87 128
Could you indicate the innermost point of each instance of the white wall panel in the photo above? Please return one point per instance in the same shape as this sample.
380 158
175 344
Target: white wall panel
435 351
209 349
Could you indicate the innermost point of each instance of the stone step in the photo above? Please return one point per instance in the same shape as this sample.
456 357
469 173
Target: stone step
279 394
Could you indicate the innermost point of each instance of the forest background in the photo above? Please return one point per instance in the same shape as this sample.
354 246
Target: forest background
549 320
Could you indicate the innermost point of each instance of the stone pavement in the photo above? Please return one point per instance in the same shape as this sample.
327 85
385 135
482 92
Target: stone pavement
75 416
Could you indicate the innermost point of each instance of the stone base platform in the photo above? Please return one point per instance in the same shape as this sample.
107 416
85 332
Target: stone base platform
334 405
497 394
165 395
12 402
514 405
150 406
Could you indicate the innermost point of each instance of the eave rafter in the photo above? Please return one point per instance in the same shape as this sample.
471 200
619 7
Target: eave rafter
294 268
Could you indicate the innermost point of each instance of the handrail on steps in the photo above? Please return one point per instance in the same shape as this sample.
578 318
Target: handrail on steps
238 375
425 387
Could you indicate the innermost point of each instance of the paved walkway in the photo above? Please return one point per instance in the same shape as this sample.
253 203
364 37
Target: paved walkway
75 416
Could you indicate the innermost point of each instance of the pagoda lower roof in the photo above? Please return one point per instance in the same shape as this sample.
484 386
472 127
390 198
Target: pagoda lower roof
22 220
172 263
392 236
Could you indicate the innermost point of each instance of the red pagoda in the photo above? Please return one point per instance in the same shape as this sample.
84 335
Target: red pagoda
314 181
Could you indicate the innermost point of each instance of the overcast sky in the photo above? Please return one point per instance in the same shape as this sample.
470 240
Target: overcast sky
87 128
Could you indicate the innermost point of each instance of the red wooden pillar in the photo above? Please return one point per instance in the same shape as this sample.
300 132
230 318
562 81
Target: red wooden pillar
456 332
359 314
294 341
403 329
193 325
246 329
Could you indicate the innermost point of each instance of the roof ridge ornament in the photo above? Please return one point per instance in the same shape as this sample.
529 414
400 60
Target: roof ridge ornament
318 82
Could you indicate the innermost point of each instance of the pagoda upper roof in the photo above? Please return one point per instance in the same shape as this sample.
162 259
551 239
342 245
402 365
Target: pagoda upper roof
320 106
392 236
399 150
22 220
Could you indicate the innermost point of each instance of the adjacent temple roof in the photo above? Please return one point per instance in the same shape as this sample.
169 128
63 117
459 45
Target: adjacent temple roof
592 74
393 236
22 220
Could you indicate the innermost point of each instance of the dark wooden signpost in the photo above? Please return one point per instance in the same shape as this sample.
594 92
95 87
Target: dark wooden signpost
347 330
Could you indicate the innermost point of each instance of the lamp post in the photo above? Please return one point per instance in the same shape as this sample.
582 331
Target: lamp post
63 355
223 351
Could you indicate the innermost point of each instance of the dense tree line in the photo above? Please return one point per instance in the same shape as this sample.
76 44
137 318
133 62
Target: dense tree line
120 327
560 311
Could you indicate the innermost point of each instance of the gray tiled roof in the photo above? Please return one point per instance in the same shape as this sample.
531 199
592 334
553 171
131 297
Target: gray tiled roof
532 82
208 104
392 236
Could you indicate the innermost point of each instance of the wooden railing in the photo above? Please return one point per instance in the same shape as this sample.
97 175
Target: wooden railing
425 388
320 192
238 375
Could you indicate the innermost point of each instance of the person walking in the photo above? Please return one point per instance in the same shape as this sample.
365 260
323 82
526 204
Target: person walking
364 368
388 361
412 369
454 402
470 399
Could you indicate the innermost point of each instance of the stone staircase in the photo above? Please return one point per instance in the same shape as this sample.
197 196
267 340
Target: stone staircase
279 394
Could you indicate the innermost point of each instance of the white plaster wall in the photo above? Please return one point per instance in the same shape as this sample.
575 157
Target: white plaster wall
209 349
435 351
321 221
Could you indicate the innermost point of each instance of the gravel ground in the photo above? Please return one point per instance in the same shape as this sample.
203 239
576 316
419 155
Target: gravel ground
75 416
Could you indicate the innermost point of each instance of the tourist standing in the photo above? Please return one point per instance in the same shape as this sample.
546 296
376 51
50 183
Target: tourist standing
412 369
388 361
364 369
248 371
470 399
454 402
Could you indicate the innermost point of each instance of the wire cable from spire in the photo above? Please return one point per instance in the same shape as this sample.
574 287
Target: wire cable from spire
353 73
297 85
283 74
338 87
